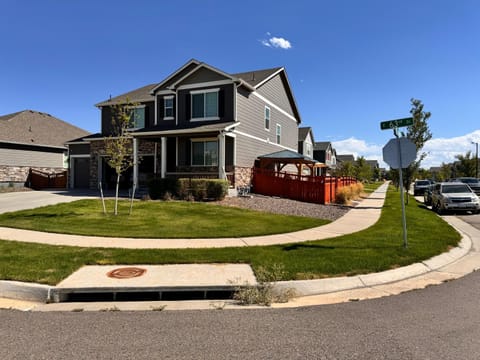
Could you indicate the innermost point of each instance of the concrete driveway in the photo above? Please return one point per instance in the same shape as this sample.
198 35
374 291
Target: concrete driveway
21 200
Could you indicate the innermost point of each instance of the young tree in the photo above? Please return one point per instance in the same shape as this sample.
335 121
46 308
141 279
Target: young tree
419 133
118 145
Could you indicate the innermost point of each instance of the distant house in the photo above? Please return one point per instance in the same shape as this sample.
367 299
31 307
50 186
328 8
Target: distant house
341 159
33 140
324 152
305 141
200 122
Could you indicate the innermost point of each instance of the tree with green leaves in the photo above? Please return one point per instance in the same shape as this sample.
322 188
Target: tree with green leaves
465 166
363 171
119 144
419 133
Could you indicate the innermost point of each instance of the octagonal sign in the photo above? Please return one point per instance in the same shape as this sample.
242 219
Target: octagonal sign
399 152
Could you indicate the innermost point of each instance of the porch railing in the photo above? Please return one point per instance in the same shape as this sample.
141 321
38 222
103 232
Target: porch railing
314 189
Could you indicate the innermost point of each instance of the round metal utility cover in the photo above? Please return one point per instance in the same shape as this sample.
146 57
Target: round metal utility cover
126 272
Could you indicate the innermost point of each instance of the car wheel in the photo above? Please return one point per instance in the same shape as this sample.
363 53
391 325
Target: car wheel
438 209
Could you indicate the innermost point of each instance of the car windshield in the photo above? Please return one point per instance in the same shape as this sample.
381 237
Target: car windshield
451 189
423 182
469 180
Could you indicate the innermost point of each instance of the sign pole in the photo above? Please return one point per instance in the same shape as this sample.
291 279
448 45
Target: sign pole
402 198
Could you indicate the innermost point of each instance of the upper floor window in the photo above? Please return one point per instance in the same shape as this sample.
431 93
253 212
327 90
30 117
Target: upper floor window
279 133
308 149
168 107
267 118
137 117
205 104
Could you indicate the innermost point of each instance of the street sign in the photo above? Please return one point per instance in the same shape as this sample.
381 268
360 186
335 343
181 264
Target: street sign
399 152
392 124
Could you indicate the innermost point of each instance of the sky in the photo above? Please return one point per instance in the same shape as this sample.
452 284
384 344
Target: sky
351 63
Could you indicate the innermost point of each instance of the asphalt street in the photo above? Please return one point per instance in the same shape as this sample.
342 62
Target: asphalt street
439 322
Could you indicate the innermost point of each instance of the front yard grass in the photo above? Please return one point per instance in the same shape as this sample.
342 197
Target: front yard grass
377 248
153 219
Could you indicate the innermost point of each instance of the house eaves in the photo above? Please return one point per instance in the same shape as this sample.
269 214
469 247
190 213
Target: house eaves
172 75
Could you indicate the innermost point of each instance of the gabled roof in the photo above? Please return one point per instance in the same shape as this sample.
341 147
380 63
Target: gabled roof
37 128
346 158
251 80
303 133
322 145
138 95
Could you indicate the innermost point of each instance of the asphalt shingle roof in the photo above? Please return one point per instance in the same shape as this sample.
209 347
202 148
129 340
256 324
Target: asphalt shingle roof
37 128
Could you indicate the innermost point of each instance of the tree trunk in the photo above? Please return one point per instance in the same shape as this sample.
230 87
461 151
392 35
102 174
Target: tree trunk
116 193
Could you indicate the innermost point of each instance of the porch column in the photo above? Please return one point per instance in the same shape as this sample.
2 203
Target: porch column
163 157
135 162
221 156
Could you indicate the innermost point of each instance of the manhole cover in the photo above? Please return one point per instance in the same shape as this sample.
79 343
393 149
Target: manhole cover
126 272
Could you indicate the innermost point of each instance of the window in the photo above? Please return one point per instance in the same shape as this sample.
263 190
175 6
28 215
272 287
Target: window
308 149
204 153
137 117
168 107
267 118
205 104
279 133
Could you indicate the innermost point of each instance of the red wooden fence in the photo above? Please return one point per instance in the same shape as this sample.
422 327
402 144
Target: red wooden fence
314 189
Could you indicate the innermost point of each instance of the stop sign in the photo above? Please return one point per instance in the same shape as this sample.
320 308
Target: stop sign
399 152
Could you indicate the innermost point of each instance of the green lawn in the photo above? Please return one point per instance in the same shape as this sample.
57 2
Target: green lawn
375 249
154 219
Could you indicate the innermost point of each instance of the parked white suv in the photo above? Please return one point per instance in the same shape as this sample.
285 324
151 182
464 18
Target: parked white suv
454 196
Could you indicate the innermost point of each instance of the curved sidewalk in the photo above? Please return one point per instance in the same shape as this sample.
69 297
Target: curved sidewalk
364 215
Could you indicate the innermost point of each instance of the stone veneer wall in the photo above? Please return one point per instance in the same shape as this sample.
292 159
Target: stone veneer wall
243 176
98 148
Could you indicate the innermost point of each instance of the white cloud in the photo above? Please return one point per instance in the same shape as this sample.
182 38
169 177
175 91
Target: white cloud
439 150
276 42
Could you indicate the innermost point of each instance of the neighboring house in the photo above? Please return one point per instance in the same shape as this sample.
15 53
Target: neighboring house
324 152
200 122
341 159
305 141
33 140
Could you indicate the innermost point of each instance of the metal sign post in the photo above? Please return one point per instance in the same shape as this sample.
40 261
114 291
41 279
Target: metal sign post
399 153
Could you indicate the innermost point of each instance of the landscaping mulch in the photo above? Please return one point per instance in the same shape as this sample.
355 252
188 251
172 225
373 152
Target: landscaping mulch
286 206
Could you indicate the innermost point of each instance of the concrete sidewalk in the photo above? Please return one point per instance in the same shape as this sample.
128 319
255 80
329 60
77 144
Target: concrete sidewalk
456 263
364 215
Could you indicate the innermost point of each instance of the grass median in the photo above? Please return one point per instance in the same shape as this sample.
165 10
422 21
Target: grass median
377 248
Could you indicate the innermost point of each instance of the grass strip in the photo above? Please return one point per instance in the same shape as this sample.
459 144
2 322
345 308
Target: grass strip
377 248
154 219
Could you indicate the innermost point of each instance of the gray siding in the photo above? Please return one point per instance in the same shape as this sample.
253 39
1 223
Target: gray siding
274 90
14 157
250 113
201 76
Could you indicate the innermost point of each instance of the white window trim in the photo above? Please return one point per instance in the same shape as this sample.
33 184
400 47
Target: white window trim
169 97
203 140
265 117
278 133
204 91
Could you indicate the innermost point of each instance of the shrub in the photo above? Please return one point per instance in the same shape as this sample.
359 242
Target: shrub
157 188
217 189
201 189
347 193
264 293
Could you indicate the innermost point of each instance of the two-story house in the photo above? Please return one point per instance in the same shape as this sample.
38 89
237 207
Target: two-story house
201 122
325 153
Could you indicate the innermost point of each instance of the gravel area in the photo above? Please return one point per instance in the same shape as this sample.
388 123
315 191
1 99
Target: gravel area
286 206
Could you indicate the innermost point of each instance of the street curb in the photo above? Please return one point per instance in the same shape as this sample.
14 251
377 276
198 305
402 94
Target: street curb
25 291
336 284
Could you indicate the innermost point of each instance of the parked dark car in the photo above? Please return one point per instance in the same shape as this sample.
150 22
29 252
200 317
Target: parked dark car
420 186
474 183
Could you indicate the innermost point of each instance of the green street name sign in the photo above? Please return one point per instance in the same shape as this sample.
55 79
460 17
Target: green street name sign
393 124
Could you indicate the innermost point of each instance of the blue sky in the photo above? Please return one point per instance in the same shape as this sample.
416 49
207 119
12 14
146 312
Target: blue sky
351 63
